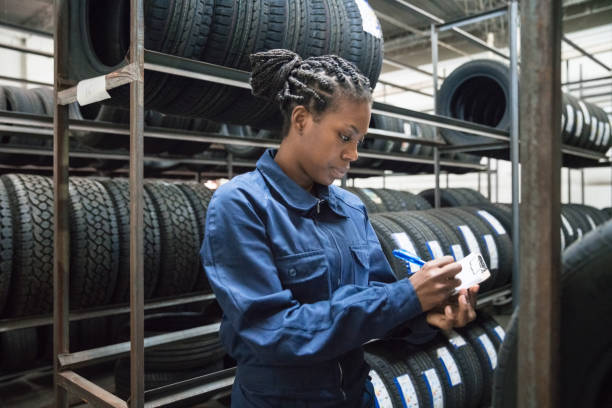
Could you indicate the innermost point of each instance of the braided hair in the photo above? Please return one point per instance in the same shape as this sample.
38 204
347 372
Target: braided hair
316 83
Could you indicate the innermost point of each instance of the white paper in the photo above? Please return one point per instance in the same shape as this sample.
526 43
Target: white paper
382 395
500 332
492 247
473 271
450 365
368 19
92 90
486 344
403 241
407 391
435 387
469 238
494 222
435 249
457 252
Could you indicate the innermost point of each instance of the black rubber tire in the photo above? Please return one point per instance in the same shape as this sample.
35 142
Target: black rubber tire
94 244
568 225
179 239
480 341
31 202
448 197
449 238
585 349
493 329
501 214
505 385
199 196
371 206
415 202
119 192
578 220
18 349
471 372
474 196
385 228
246 152
419 362
419 232
390 201
6 246
454 396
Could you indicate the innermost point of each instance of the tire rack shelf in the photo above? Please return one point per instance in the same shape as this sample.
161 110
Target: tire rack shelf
165 63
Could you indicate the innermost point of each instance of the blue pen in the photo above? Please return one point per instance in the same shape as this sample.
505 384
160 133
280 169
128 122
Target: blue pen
408 258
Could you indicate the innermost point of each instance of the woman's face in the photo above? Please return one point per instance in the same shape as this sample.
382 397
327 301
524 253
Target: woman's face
328 145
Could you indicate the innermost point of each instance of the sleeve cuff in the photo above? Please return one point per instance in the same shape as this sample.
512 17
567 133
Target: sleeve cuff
403 300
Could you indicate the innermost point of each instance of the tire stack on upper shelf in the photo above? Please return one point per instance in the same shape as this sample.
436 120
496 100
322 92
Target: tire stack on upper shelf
479 91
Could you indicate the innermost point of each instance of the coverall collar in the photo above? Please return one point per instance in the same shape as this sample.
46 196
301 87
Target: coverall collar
292 194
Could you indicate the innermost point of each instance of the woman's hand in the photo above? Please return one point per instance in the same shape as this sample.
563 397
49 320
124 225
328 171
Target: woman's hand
455 315
435 282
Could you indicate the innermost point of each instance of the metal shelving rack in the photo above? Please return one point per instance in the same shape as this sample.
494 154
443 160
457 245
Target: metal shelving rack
66 380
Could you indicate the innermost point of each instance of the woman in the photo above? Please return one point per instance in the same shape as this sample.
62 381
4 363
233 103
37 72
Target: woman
293 260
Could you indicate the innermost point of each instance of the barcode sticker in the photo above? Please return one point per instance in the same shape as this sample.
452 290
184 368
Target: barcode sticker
450 366
435 249
457 252
494 222
485 343
407 391
455 339
435 388
501 334
383 399
492 248
469 237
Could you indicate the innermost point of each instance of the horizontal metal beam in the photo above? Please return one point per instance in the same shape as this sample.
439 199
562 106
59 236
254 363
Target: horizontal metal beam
26 50
477 147
115 79
35 321
476 18
191 391
401 65
24 29
585 53
389 134
404 88
97 355
583 81
597 95
25 81
89 392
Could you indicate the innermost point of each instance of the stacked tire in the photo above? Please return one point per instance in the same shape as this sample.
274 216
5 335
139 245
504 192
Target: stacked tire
383 200
99 241
478 91
223 32
455 369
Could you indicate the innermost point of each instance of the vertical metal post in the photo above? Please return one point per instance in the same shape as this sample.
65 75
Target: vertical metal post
540 263
61 234
479 186
582 186
230 166
488 179
437 176
136 207
434 63
514 147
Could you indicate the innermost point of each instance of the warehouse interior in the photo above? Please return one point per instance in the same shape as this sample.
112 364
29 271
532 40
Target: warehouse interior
413 170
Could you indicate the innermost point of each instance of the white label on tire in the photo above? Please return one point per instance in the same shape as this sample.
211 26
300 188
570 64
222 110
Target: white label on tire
435 388
485 343
570 118
579 121
455 339
407 129
594 130
567 225
469 237
383 399
492 248
501 334
373 196
562 240
407 391
490 218
403 241
368 18
579 233
591 222
450 366
585 112
600 133
435 249
562 120
457 252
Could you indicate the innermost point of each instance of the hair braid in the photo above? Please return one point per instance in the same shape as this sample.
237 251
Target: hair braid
316 82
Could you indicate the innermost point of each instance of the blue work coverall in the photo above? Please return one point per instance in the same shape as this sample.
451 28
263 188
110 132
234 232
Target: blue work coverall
303 284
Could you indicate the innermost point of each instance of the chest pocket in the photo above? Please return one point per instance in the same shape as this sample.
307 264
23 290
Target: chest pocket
361 264
306 275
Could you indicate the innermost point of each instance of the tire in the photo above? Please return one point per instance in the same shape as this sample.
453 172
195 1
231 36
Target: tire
426 243
449 239
94 244
487 356
372 202
119 192
18 349
246 152
390 201
450 374
179 239
448 197
469 366
413 201
385 231
6 246
199 196
428 379
31 202
495 332
384 376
